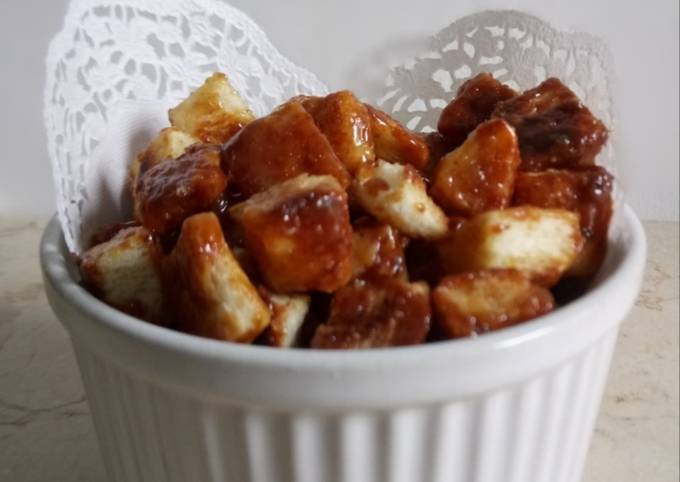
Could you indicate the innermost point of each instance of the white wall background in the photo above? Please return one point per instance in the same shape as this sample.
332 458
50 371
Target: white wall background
338 39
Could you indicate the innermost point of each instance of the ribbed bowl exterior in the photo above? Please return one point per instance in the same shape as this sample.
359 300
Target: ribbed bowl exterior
534 431
515 405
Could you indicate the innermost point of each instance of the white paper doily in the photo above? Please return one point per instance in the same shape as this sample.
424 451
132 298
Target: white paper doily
114 70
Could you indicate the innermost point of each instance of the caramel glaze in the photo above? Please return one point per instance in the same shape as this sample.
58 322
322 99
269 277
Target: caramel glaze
395 143
494 299
474 103
345 122
377 251
171 191
554 128
278 147
480 174
381 313
303 242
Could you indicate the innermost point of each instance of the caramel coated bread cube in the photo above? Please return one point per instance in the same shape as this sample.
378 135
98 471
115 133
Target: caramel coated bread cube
396 194
555 130
171 191
377 251
170 143
299 233
586 191
375 315
474 103
480 174
395 143
213 113
346 123
278 147
542 243
124 272
481 301
206 288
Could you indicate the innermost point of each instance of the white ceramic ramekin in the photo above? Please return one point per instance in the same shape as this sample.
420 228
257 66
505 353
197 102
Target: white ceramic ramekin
517 405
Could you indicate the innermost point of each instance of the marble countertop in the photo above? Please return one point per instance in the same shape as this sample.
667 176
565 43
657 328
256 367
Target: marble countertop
46 433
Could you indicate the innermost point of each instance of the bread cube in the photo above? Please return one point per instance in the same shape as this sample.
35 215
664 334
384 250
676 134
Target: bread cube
555 130
299 234
170 143
586 191
395 143
474 103
542 243
124 272
377 251
169 192
278 147
345 122
480 174
213 113
371 315
288 314
477 302
396 194
206 288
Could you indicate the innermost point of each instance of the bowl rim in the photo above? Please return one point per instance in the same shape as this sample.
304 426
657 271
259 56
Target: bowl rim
58 269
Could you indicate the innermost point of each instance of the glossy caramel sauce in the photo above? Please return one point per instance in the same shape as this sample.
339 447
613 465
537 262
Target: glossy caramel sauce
554 128
346 123
377 251
380 313
480 174
474 103
278 147
302 237
395 143
169 192
487 300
